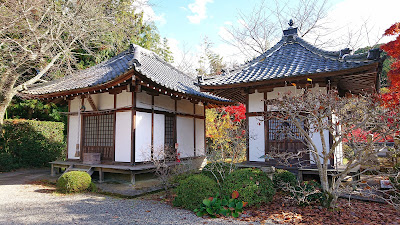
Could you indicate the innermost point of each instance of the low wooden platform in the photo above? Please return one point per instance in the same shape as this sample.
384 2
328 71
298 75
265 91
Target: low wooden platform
312 170
132 170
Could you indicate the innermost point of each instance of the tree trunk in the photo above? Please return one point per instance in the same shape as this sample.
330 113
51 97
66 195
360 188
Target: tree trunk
7 92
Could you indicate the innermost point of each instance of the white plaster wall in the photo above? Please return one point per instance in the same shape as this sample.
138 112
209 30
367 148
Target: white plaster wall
316 139
256 138
256 102
159 136
143 137
279 91
143 100
73 136
185 106
164 103
200 145
317 88
75 105
199 110
104 101
124 99
123 141
185 137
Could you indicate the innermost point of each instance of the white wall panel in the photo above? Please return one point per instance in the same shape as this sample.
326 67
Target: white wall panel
185 136
143 137
256 141
143 100
124 99
279 91
316 139
159 135
256 102
75 105
73 136
199 110
200 147
105 101
123 130
185 106
164 103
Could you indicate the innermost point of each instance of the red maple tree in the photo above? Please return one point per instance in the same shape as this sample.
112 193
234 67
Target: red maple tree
392 98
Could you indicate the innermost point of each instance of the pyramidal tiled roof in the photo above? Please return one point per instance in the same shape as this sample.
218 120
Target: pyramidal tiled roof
291 56
143 61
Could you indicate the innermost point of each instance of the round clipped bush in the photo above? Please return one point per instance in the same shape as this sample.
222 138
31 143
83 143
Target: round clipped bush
191 191
282 177
253 185
218 171
74 181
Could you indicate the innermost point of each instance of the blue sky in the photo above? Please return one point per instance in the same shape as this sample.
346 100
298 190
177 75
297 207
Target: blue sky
187 22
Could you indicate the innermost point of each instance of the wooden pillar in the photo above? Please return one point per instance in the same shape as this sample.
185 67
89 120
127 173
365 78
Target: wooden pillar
115 124
133 131
101 175
152 126
266 127
82 130
194 129
205 132
247 128
175 123
68 116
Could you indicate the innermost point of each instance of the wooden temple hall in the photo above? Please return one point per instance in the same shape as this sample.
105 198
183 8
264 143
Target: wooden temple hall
285 67
124 111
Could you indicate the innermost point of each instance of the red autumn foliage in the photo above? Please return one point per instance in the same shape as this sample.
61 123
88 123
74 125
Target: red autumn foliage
393 49
238 112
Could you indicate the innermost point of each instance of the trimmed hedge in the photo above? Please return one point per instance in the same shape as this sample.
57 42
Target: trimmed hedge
191 191
74 181
253 185
29 143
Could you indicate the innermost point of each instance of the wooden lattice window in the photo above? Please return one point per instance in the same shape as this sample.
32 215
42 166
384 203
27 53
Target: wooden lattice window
98 134
284 130
169 132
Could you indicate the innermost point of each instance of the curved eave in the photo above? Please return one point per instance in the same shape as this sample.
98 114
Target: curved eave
105 87
364 68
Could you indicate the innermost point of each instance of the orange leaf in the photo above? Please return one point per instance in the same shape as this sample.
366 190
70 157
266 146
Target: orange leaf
244 204
235 194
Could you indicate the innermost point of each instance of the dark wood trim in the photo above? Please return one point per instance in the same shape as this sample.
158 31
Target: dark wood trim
251 114
175 123
194 130
205 132
247 129
68 116
115 125
133 131
82 131
266 127
152 126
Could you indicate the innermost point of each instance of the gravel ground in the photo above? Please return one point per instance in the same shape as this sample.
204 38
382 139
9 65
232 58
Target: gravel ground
22 203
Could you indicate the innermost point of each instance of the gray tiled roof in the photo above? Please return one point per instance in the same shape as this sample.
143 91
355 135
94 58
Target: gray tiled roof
291 56
143 61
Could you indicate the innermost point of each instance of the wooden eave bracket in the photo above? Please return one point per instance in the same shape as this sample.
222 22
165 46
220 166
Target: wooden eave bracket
91 102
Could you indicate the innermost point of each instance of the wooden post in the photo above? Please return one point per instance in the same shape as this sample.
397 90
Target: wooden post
266 127
152 126
194 130
52 171
101 175
133 178
133 133
247 128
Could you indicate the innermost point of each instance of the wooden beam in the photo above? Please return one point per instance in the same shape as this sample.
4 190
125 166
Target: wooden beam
152 126
91 102
247 129
133 131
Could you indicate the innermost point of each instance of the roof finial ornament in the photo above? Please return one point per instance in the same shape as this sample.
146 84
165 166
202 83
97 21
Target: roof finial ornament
291 23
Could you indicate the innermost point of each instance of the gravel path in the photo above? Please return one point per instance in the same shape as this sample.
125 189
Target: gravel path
22 203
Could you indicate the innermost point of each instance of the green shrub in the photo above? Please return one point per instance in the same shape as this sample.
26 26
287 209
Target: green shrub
177 178
74 181
282 177
31 143
7 162
218 171
253 185
309 192
191 191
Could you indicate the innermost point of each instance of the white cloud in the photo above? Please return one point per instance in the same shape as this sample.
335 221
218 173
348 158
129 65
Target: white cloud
148 12
199 9
364 19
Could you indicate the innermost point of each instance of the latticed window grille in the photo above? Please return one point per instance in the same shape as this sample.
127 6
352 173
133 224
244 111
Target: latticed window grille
169 133
99 134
